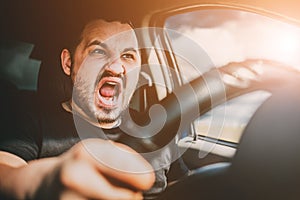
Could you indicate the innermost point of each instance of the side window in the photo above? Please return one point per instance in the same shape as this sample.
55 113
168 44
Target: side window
219 36
233 35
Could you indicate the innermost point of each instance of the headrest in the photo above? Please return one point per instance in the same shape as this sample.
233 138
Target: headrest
54 87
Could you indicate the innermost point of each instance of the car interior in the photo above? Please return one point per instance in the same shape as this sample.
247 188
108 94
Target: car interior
239 138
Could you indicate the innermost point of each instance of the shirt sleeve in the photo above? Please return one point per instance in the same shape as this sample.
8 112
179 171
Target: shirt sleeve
19 130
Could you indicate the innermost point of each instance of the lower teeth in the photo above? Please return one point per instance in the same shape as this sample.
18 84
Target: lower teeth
109 100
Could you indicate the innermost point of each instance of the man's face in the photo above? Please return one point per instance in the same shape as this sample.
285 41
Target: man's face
105 70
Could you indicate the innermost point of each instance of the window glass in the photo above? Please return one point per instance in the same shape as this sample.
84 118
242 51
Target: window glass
231 36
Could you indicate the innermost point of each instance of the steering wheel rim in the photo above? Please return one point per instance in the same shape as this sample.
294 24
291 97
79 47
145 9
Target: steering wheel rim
202 90
266 165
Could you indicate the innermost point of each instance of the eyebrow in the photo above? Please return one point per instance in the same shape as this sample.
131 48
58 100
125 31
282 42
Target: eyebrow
130 49
97 42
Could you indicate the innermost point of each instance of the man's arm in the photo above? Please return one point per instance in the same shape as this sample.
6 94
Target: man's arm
9 162
92 169
19 179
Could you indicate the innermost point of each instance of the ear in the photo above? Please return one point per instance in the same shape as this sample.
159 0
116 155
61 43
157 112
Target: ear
66 61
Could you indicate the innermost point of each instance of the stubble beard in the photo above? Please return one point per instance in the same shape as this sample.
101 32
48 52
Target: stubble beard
84 97
106 115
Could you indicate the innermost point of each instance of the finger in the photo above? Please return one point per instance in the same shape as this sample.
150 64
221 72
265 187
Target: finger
234 82
120 162
257 67
244 70
241 75
245 74
82 178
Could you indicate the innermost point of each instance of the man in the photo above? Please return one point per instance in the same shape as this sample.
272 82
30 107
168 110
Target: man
57 159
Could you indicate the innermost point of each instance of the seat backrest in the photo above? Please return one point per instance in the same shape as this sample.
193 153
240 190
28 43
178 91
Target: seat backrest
54 87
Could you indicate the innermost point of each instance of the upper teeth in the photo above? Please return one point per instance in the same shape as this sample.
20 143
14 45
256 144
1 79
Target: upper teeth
111 83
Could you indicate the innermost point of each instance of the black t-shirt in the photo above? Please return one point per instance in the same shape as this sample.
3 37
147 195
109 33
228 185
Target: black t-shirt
50 132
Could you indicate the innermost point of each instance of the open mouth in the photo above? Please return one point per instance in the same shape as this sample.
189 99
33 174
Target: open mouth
108 92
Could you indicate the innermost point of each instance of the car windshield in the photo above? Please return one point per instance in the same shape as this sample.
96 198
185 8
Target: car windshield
232 36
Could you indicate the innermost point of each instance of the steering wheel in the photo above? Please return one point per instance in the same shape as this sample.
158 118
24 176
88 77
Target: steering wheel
266 165
174 113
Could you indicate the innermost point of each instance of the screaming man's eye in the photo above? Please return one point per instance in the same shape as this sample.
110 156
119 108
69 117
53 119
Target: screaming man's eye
98 52
128 56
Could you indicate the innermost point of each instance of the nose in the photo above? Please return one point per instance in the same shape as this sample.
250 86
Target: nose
116 67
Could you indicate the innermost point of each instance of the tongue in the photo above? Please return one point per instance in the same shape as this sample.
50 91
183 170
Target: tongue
107 90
